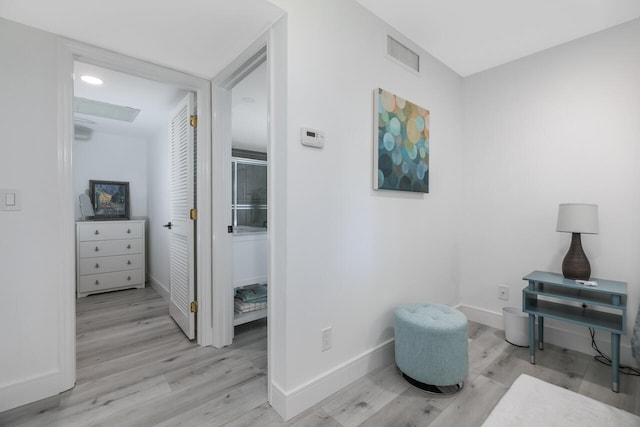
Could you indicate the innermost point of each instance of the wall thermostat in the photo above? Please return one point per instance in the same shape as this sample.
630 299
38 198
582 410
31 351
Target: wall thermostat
311 137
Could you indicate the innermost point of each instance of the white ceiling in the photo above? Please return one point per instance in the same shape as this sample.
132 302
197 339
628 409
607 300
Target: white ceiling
196 36
471 35
222 29
201 37
155 100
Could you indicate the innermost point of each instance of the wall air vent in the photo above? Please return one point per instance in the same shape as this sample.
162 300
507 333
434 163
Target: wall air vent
103 109
397 50
82 133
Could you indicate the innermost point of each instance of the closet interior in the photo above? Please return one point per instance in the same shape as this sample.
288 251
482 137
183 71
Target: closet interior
249 213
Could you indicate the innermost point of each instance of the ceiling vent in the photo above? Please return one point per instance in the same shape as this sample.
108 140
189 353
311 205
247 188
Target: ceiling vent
103 109
397 50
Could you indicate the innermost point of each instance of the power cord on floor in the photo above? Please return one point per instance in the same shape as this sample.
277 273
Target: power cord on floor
603 358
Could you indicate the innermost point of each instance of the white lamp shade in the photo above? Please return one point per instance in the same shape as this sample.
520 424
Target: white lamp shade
578 218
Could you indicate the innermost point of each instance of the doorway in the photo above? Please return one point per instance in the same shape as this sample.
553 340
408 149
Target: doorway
147 74
239 92
213 276
123 125
249 195
213 320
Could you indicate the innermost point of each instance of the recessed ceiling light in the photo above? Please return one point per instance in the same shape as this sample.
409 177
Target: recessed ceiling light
91 80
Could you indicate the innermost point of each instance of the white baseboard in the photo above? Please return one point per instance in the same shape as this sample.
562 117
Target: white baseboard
159 287
291 403
579 340
480 315
29 390
278 400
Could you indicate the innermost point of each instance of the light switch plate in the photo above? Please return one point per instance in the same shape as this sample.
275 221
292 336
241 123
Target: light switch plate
10 200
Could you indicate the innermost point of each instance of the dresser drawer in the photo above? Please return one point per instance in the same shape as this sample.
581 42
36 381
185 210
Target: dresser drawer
92 231
102 248
111 263
105 281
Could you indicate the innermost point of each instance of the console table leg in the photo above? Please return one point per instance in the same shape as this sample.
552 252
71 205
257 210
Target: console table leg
540 332
615 362
532 338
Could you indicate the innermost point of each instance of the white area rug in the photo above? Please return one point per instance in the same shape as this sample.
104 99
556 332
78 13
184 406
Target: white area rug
533 402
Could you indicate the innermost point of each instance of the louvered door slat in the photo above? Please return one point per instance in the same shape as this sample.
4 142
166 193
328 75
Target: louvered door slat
181 187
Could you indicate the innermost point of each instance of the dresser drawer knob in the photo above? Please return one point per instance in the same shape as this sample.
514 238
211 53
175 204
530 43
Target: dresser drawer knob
97 249
97 265
128 246
97 232
128 262
97 282
128 231
128 277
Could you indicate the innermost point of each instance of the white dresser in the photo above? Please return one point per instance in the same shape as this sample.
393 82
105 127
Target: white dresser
110 255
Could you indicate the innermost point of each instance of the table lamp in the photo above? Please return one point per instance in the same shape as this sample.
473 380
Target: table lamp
577 218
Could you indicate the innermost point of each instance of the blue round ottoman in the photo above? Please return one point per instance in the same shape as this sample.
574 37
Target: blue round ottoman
431 346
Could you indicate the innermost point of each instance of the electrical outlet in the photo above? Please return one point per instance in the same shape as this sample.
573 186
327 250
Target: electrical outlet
503 292
326 338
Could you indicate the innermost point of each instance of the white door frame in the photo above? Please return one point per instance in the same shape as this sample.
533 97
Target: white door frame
273 43
221 88
68 52
211 323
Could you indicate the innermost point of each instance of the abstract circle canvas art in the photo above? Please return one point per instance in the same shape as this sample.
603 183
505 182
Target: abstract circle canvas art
401 157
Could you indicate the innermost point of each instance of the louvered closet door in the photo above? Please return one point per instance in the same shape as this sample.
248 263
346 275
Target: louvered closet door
181 187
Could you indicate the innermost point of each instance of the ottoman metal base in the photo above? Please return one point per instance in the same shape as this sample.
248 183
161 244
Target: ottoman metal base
433 389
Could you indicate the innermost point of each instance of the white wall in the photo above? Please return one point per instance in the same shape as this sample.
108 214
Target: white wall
33 251
158 211
37 285
112 157
559 126
354 254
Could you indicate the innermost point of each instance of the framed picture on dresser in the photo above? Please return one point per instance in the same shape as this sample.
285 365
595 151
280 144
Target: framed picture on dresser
110 199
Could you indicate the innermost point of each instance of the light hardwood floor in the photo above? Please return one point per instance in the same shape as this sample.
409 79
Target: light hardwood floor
135 368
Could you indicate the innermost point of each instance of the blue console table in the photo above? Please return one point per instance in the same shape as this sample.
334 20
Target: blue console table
551 295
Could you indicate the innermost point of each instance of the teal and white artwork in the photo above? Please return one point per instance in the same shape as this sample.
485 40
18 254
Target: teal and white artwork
401 148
